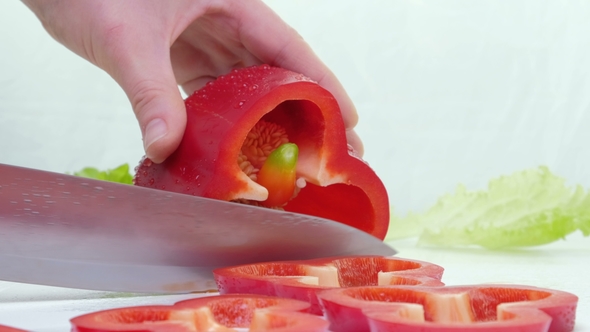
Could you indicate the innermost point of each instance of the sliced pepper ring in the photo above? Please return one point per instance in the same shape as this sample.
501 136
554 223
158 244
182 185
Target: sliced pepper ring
153 318
222 313
220 117
258 313
449 309
4 328
301 280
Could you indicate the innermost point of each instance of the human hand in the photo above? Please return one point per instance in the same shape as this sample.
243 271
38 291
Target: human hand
151 46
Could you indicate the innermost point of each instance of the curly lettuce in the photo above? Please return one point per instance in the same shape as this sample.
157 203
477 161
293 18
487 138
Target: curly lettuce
120 174
528 208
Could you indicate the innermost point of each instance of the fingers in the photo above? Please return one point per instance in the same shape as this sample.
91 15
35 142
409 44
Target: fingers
145 74
212 35
354 140
161 114
208 48
274 42
130 40
349 113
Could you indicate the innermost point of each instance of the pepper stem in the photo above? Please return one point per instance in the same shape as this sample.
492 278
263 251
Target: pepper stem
278 175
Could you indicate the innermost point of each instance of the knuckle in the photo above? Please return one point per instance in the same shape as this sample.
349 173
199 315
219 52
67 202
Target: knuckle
143 95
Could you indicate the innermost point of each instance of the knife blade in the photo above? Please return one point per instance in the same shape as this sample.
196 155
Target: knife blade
68 231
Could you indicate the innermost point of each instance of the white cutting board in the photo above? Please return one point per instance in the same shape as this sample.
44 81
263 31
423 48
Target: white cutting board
562 265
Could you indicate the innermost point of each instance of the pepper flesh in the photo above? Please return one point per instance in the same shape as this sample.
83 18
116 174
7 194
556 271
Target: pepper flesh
222 313
301 280
4 328
259 313
489 308
339 185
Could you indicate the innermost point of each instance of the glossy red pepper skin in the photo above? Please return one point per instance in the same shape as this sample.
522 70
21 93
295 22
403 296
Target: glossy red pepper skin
291 279
157 318
4 328
262 313
492 308
212 313
340 186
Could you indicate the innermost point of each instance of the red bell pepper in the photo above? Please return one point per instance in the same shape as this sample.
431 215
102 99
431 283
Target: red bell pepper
222 313
489 308
238 120
141 319
301 280
259 312
4 328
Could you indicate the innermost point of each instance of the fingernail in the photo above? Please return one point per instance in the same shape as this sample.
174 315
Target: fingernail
155 130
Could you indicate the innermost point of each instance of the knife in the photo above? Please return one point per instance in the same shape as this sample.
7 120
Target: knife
68 231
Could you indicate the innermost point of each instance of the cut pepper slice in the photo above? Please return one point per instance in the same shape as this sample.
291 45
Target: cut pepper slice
141 319
222 313
237 121
301 280
258 313
4 328
487 308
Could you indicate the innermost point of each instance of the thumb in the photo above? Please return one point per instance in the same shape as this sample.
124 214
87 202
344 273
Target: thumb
150 85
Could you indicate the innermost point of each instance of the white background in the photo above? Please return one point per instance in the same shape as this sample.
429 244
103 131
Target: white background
448 92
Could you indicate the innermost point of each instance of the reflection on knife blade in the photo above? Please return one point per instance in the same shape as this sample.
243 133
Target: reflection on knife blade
63 230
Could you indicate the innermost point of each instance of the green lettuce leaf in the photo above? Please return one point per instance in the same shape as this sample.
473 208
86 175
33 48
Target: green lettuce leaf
528 208
120 174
